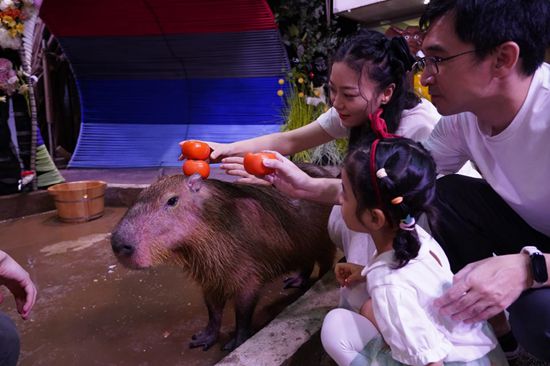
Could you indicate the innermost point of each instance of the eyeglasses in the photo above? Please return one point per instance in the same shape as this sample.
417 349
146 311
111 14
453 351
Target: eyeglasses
429 63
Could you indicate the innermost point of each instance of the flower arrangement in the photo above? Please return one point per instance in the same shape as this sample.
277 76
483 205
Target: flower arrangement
303 104
13 14
12 81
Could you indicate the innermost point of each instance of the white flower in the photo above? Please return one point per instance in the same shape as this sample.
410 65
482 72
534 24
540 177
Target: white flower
7 41
4 4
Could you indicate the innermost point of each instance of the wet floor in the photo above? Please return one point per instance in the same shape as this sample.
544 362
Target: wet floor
92 311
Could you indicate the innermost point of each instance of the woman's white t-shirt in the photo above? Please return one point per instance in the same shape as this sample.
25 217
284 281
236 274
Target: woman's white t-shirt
416 123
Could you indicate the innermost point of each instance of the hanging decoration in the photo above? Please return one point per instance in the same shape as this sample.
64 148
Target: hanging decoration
13 14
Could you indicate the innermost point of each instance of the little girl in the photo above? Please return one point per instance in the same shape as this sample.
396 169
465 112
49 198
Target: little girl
386 186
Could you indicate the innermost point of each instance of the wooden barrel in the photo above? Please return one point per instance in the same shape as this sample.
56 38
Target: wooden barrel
79 201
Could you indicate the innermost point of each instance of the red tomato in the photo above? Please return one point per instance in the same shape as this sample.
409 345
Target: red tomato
196 166
253 163
196 150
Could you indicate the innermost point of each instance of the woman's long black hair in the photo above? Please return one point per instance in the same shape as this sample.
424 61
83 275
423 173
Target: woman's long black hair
385 62
411 174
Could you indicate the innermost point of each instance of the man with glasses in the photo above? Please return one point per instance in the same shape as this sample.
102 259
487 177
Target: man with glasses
484 69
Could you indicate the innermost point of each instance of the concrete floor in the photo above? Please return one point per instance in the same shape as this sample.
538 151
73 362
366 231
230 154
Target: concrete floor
92 311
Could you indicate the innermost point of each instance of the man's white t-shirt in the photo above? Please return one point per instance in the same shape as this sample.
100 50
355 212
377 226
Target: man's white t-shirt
516 162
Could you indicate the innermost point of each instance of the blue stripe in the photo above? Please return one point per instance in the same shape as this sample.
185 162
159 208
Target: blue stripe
104 145
194 101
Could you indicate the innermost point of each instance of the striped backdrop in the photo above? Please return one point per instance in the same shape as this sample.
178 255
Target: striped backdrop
154 72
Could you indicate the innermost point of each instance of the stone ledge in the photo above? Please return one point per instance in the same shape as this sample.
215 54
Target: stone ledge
292 338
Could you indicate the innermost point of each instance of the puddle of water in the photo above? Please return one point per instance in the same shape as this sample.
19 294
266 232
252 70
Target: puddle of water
92 311
72 245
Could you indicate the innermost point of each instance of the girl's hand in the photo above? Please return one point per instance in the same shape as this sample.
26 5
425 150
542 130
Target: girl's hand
348 273
233 165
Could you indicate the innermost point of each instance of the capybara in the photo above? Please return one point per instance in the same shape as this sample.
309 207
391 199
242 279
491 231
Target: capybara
232 238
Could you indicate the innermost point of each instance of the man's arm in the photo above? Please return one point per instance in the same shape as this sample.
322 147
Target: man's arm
485 288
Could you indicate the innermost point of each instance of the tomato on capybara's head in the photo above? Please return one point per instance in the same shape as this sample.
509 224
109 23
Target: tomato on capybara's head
201 167
253 163
196 150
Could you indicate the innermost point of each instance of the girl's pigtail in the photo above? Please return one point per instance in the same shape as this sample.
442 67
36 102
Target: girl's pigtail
406 244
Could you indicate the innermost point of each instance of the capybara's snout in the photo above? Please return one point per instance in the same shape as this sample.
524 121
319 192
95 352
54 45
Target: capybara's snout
121 247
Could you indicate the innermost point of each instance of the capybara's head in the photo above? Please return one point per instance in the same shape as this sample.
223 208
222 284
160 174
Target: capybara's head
161 217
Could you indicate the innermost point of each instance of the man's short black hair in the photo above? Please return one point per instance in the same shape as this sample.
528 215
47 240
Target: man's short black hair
489 23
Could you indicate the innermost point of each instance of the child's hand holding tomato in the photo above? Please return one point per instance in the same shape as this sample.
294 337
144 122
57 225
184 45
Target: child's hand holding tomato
348 273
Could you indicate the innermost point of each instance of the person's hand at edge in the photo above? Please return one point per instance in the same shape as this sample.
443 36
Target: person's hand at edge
18 281
485 288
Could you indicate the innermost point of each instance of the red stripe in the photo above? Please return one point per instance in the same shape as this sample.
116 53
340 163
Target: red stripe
142 17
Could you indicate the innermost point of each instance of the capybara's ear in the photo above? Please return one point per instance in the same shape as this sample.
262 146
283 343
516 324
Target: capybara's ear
194 182
160 178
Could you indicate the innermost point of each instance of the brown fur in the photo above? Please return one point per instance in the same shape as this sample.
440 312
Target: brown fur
232 239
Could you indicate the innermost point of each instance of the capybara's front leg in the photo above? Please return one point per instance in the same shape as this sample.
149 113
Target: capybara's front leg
245 302
207 337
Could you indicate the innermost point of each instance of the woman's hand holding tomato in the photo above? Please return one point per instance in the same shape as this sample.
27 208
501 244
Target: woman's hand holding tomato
233 165
290 179
253 163
201 167
195 150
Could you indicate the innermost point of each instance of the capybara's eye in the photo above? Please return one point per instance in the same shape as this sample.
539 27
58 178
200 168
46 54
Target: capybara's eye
172 201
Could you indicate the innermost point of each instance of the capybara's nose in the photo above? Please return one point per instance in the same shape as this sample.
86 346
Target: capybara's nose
120 247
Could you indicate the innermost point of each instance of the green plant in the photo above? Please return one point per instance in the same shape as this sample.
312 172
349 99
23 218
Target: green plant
297 113
310 36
